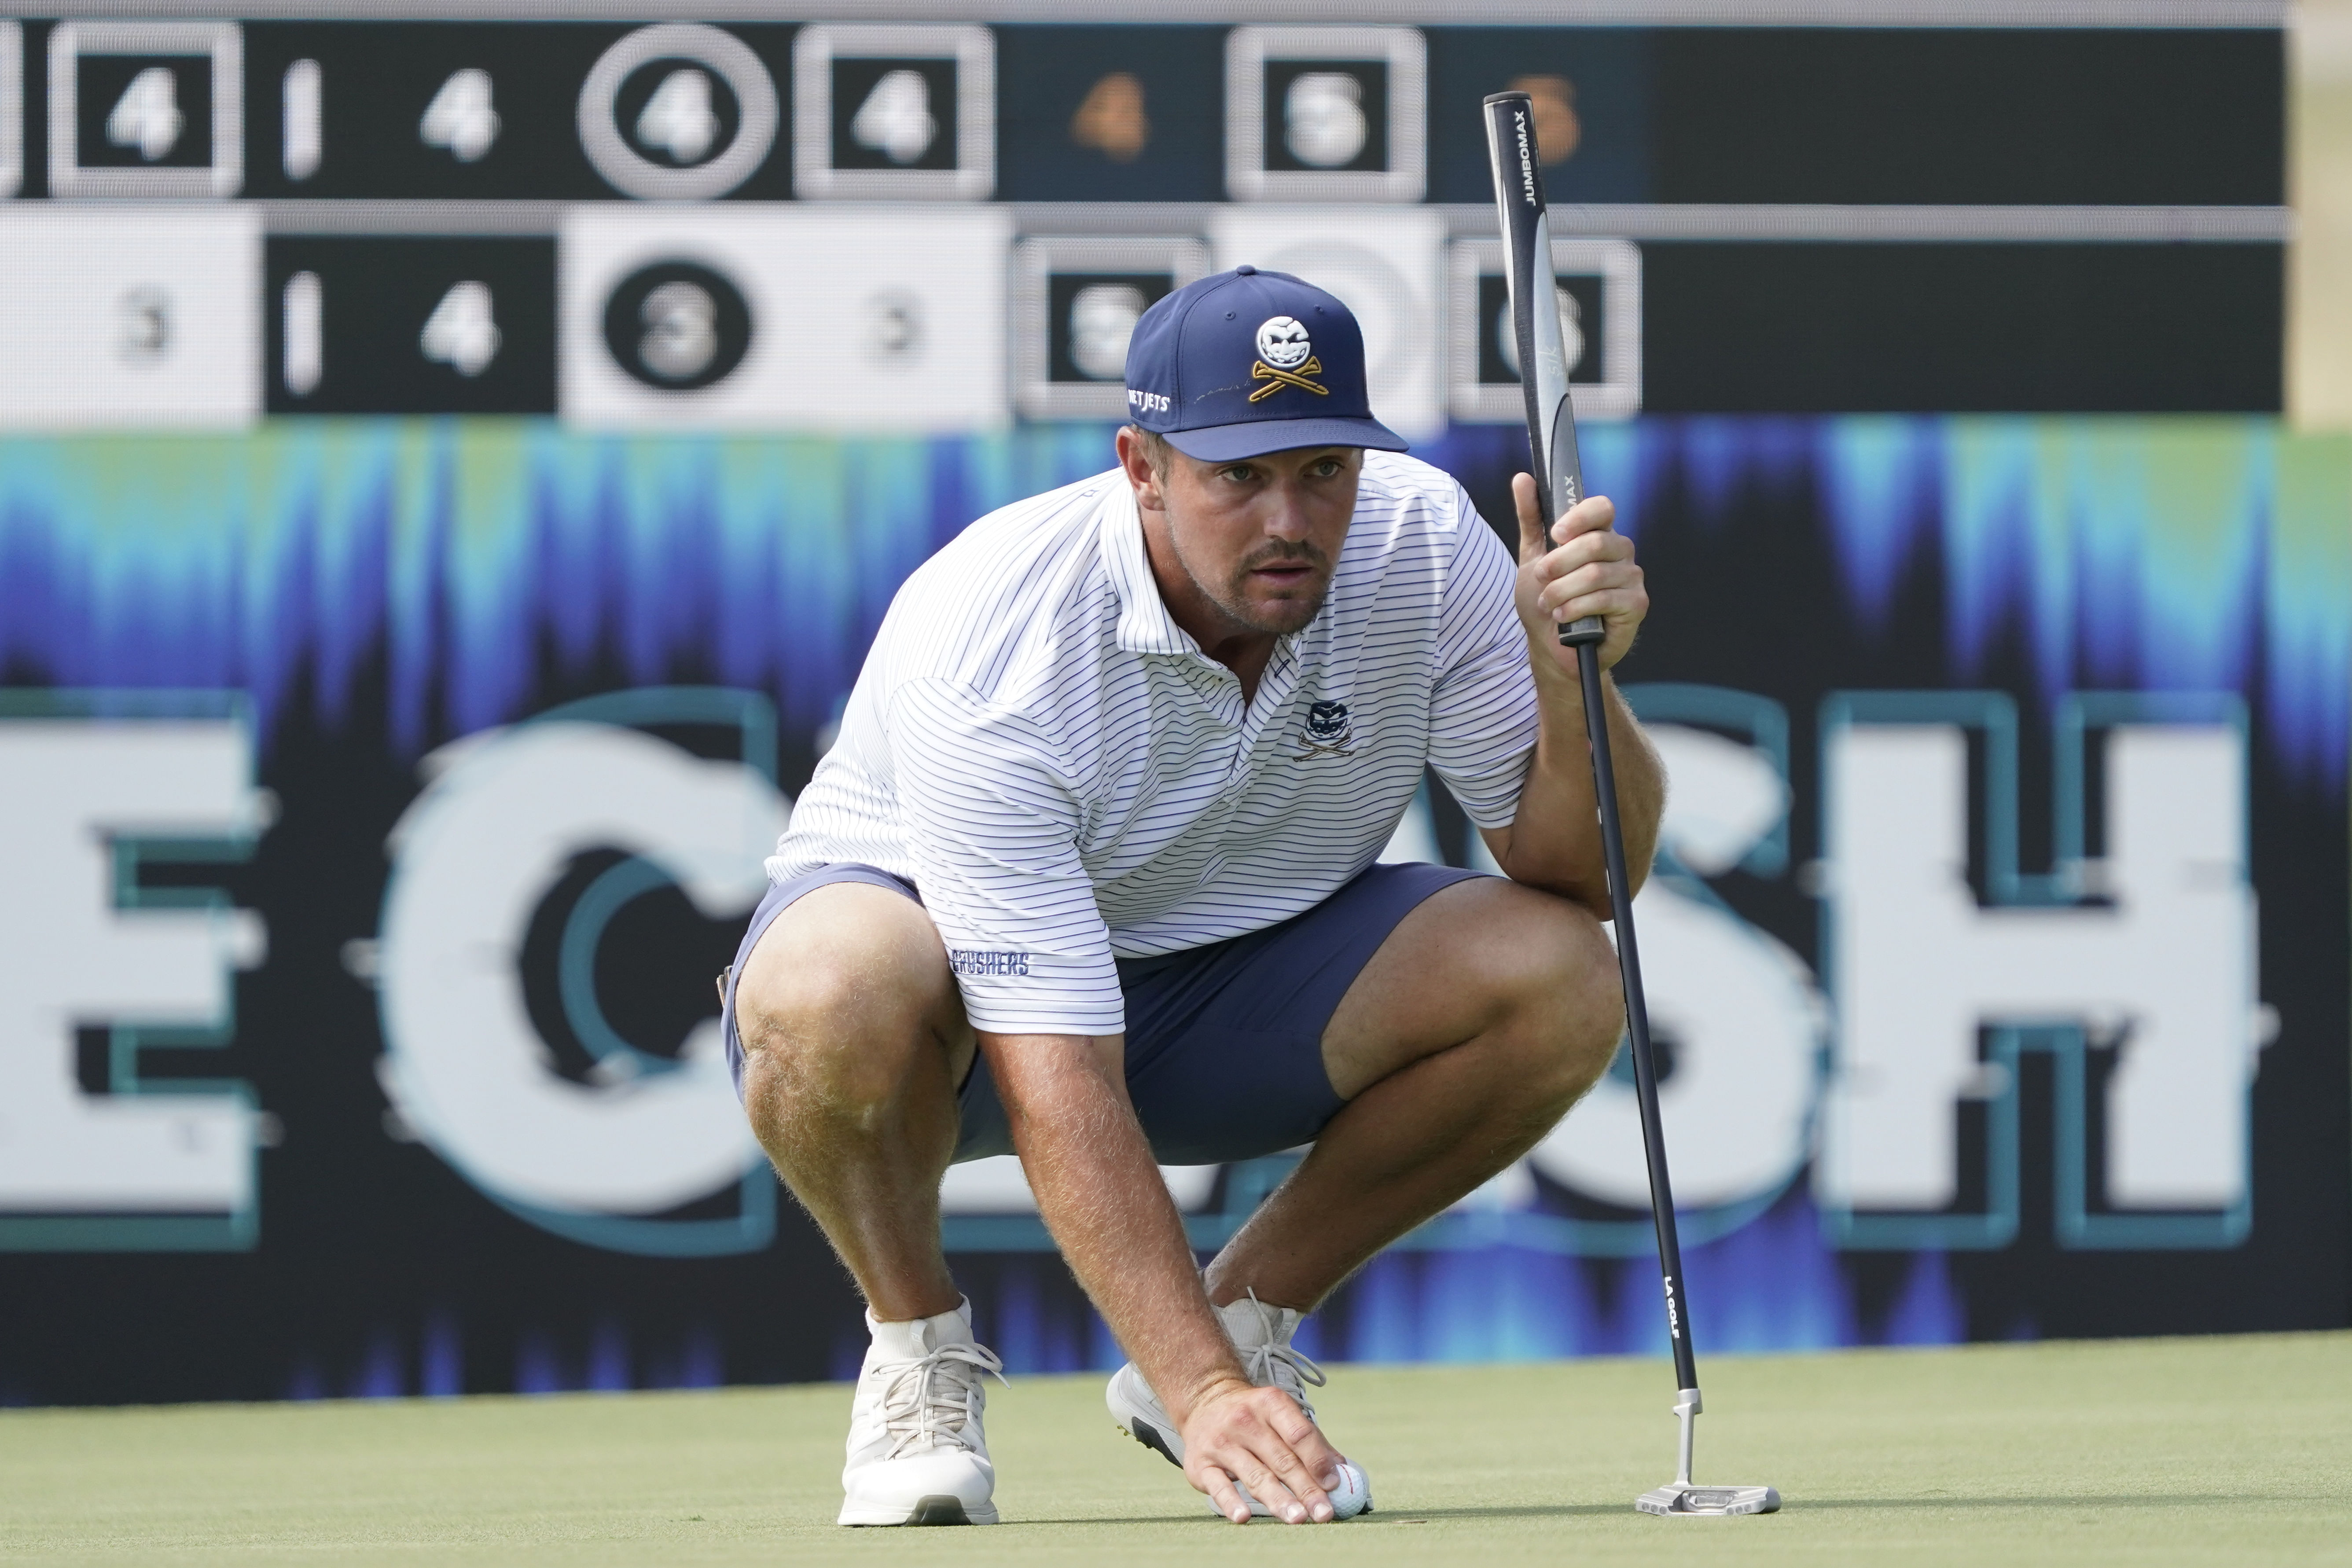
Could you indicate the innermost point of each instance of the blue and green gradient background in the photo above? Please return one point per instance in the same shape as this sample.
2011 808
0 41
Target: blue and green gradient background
380 587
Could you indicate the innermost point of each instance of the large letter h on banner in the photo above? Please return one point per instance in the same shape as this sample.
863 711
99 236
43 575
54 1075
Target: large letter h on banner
1936 995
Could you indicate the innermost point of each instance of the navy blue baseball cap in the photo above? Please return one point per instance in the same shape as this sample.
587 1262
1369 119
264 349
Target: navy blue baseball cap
1247 362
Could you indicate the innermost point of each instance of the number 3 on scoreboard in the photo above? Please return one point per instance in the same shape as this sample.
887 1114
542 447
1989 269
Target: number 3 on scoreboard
461 332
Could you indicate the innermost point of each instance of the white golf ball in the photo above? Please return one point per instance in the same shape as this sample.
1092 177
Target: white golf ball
1352 1496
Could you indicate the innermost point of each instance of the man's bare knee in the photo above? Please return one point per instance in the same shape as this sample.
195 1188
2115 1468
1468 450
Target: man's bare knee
1569 1009
842 996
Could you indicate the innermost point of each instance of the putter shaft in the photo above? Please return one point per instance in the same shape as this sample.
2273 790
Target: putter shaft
1637 1017
1523 216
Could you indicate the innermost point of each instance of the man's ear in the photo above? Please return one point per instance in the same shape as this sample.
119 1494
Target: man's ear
1138 464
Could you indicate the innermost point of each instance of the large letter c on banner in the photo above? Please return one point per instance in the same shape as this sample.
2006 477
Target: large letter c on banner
473 859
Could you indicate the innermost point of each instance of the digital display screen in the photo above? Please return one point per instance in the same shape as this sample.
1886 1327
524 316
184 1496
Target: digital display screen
451 471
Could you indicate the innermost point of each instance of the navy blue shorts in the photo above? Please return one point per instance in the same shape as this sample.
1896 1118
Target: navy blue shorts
1224 1042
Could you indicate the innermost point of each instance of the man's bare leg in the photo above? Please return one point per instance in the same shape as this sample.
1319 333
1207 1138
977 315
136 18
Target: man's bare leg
854 1045
1487 1013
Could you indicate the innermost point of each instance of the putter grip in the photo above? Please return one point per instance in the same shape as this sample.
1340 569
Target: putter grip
1523 217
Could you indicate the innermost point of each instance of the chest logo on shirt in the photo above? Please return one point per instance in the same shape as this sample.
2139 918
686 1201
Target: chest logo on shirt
1327 732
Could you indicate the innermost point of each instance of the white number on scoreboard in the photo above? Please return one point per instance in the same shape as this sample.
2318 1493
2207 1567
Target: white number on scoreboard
147 116
896 118
462 332
461 117
678 119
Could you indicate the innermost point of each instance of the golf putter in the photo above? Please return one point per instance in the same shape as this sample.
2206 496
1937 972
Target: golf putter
1560 485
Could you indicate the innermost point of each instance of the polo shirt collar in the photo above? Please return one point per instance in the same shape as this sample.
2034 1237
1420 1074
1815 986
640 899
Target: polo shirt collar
1144 624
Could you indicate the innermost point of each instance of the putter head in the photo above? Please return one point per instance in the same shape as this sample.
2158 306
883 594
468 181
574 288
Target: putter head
1680 1499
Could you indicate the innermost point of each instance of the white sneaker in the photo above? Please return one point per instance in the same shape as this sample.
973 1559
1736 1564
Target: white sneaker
1262 1335
917 1453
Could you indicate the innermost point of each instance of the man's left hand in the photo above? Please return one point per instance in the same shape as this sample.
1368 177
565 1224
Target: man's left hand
1586 568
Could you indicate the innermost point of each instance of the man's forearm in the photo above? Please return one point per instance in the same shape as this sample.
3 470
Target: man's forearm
1103 1199
1554 841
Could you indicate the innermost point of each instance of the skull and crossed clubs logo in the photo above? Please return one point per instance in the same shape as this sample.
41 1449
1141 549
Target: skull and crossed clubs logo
1329 732
1286 357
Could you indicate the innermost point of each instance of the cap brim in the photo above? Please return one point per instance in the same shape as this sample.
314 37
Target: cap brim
1256 437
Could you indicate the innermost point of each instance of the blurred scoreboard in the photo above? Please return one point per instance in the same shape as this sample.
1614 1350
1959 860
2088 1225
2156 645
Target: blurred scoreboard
953 224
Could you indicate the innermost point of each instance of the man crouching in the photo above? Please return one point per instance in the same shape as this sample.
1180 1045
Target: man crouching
1091 876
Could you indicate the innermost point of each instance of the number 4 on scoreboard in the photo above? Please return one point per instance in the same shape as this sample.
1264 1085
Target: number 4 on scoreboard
148 116
461 117
462 333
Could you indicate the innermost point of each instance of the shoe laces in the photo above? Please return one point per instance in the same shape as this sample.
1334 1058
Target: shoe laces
1273 1364
936 1398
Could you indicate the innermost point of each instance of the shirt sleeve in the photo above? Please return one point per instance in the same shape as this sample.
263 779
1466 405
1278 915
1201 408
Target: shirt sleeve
992 819
1482 715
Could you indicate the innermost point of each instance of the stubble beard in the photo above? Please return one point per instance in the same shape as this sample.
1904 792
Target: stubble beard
1280 619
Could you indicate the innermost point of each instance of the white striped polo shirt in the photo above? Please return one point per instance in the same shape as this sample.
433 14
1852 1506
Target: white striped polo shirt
1066 778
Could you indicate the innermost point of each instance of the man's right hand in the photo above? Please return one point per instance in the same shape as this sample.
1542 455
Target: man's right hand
1261 1439
1090 1166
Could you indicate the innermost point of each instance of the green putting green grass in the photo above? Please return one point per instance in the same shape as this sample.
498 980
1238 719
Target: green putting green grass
2235 1450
